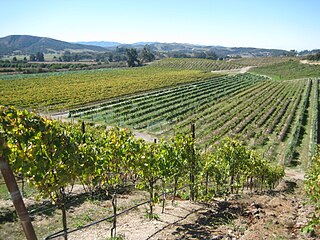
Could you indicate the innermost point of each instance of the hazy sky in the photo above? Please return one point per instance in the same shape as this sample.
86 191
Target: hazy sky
283 24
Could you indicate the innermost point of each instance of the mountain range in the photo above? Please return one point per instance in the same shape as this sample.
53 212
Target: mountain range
104 44
25 44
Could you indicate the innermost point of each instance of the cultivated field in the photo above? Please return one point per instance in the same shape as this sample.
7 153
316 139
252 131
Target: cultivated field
57 91
270 114
273 114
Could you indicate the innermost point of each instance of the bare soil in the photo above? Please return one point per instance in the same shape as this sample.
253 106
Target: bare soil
277 214
309 62
234 71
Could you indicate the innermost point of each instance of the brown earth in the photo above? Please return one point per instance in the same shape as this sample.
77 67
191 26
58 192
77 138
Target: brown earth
277 214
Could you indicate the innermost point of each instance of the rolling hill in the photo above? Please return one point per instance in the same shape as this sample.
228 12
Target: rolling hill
187 48
26 44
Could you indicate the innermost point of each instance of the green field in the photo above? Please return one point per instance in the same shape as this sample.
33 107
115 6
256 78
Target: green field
197 64
261 61
272 110
262 113
57 91
286 70
270 114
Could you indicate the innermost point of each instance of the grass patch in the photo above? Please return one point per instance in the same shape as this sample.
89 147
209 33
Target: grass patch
119 237
152 216
261 61
4 194
291 69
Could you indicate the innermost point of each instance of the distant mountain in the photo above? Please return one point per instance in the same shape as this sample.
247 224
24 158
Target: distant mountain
144 43
186 48
100 43
307 52
30 44
26 44
248 52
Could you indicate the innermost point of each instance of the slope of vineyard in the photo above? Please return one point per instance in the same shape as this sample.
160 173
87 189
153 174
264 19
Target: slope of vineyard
263 113
247 127
197 64
69 89
52 156
261 61
287 70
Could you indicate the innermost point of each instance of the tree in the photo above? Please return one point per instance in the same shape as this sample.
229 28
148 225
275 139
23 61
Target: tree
146 55
314 57
132 57
199 55
211 55
14 59
110 57
66 57
291 53
40 57
33 57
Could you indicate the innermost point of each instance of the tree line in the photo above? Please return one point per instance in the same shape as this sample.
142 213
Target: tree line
131 56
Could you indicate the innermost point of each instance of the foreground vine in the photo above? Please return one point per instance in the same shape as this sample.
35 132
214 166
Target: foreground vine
52 155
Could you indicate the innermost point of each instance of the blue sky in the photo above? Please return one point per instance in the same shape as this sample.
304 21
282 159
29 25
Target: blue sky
282 24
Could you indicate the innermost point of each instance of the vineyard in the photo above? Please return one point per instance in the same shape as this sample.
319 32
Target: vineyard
52 156
63 90
261 61
213 137
198 64
291 69
260 112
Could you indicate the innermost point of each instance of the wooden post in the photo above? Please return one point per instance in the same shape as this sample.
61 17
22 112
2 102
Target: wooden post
16 197
193 130
163 196
64 213
192 165
83 131
114 223
174 190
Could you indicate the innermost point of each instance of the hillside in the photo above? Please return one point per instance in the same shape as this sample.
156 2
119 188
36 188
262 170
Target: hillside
274 122
186 48
25 44
30 44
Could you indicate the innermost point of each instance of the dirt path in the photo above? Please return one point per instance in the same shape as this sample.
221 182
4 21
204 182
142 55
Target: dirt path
234 71
60 116
63 117
309 62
